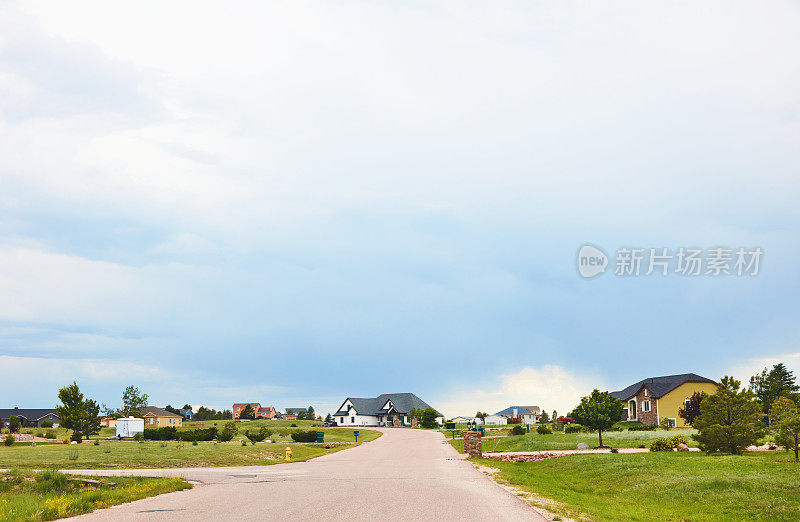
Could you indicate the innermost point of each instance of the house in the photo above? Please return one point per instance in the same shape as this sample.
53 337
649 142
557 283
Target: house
108 422
520 414
30 417
467 420
296 412
289 416
159 417
259 412
389 409
495 420
186 413
650 400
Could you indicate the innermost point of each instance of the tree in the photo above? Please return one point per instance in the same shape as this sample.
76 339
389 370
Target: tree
769 385
544 417
301 415
133 400
328 418
310 413
691 408
247 413
170 409
14 424
92 424
428 418
481 415
76 413
785 416
555 416
729 419
598 411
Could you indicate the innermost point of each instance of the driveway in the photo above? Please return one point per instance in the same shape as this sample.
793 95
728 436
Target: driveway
405 474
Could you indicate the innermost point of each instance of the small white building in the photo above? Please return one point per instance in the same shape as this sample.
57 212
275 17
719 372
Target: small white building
129 426
467 420
495 420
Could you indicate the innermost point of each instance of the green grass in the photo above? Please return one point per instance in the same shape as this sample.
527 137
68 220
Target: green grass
664 486
154 454
561 441
49 495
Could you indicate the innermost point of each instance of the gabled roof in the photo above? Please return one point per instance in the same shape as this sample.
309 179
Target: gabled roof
521 410
402 402
254 405
295 411
158 412
26 413
659 386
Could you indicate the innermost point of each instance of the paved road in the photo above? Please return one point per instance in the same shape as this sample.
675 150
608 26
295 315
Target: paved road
403 475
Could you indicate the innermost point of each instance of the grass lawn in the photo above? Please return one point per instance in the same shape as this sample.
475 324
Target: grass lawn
49 495
664 486
561 441
153 454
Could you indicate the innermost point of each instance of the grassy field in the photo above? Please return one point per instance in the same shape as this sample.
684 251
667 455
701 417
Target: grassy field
663 486
153 454
49 495
561 441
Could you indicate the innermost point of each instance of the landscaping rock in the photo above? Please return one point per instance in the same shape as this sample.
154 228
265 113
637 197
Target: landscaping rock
527 458
682 447
583 446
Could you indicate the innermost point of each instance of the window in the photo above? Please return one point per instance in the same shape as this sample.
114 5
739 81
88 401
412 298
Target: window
352 420
341 419
645 405
672 423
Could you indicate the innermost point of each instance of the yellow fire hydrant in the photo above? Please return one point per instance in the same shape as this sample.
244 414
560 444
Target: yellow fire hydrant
288 454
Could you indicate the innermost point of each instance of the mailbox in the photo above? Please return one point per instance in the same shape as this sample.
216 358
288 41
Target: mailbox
355 434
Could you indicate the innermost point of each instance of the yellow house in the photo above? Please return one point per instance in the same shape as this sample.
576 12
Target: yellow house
158 418
650 400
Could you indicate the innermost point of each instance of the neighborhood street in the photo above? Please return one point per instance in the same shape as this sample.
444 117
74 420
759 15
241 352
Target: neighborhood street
405 474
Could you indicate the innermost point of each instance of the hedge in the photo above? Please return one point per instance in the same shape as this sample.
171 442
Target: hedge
172 433
304 436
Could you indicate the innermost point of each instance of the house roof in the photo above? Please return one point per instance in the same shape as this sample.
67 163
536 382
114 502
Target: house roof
295 411
158 412
659 386
26 413
533 409
254 405
403 403
521 410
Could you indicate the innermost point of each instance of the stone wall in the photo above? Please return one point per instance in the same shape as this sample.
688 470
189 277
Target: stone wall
646 417
472 443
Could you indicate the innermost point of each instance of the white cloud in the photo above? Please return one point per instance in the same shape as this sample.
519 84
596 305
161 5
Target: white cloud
744 369
549 387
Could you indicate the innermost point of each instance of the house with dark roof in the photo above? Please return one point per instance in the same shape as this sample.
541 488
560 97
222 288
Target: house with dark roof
655 398
389 409
159 417
30 417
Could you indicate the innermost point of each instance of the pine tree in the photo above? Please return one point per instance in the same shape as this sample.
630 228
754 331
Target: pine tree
729 419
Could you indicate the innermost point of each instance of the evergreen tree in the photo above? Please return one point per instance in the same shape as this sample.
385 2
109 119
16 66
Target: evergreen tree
729 419
785 416
769 385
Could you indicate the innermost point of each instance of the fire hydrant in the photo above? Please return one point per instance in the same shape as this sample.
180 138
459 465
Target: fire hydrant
288 454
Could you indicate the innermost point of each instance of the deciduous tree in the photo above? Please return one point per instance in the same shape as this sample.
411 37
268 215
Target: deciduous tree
598 411
691 408
133 400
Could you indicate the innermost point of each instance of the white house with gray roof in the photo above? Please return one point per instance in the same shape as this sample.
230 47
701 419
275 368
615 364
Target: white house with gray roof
389 409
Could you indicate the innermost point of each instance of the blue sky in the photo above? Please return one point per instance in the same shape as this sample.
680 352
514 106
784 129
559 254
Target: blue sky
295 203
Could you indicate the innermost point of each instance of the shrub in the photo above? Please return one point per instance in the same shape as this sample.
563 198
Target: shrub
543 430
51 481
138 437
244 443
517 430
198 434
258 436
96 442
228 432
14 424
9 440
194 443
662 444
572 428
163 433
292 425
304 436
50 434
47 424
680 439
40 434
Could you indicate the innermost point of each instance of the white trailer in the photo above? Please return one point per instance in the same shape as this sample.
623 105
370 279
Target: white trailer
129 426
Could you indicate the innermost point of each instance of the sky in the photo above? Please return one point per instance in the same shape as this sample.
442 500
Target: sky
291 203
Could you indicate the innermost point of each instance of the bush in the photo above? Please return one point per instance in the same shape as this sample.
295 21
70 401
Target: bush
50 434
198 434
164 433
138 437
517 430
304 436
96 442
258 436
572 428
543 430
642 428
228 432
9 440
680 439
662 444
39 434
292 425
47 424
194 443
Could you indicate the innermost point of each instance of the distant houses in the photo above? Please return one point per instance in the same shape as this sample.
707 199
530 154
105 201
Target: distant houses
520 414
259 412
29 417
655 398
389 409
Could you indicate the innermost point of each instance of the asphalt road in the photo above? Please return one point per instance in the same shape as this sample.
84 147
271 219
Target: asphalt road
403 475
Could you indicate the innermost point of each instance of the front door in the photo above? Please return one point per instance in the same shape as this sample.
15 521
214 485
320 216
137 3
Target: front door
632 410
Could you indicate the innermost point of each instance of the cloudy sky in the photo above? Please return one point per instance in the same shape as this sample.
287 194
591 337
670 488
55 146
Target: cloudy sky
295 202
